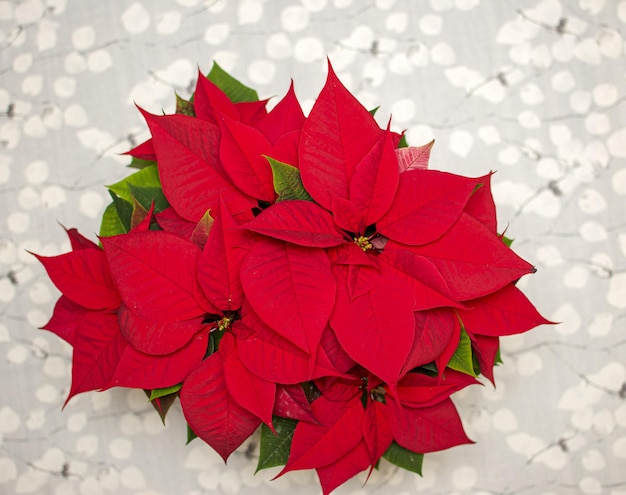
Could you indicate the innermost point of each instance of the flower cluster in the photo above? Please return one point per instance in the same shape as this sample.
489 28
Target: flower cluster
307 274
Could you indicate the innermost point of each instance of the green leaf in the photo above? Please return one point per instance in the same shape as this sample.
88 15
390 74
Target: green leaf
111 223
374 110
274 449
404 458
191 435
124 210
403 142
235 90
184 107
287 182
507 241
147 177
462 359
146 195
140 163
162 392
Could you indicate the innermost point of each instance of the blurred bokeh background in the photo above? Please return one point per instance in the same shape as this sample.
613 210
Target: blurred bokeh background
534 90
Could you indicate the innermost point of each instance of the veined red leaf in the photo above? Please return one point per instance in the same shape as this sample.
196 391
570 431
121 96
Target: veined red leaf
299 222
340 389
98 346
335 474
302 291
221 260
434 330
427 429
414 157
143 151
385 323
481 205
316 445
473 259
211 411
361 279
444 358
248 389
331 355
170 221
347 216
285 117
202 229
269 355
156 337
418 390
83 276
286 149
504 312
242 153
156 274
426 205
486 350
251 112
375 181
291 402
429 286
139 370
79 241
209 101
376 430
336 136
66 319
189 166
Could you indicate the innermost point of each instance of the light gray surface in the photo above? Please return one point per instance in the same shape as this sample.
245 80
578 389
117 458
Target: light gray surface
534 90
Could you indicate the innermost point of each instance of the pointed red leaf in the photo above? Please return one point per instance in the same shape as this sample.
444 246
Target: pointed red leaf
221 260
486 350
426 205
156 337
316 445
286 148
156 274
291 402
143 151
210 410
83 276
251 112
347 215
269 355
336 136
429 287
331 355
98 346
473 260
79 241
66 318
335 474
375 181
298 221
201 231
385 323
340 389
138 370
376 430
414 157
444 358
170 221
505 312
419 390
434 330
285 117
481 205
191 174
242 153
426 429
361 279
209 101
248 389
291 288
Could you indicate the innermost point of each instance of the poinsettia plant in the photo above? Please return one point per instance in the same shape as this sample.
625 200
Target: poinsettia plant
308 275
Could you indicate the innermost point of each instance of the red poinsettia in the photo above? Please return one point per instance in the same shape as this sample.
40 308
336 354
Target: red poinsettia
307 274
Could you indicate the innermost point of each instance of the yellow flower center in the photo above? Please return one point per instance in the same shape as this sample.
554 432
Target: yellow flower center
364 243
224 323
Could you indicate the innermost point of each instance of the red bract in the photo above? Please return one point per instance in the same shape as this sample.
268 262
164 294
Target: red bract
307 274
